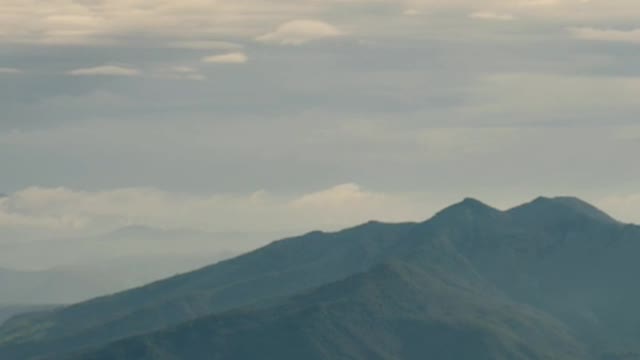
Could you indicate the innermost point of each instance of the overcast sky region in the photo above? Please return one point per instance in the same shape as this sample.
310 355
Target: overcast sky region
293 115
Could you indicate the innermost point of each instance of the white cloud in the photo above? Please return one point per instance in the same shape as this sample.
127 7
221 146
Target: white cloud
179 72
11 71
205 45
91 22
411 12
589 33
185 23
490 15
63 210
229 58
337 196
298 32
107 70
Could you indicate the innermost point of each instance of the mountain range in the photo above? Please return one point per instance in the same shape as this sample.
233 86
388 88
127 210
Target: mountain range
71 284
70 270
550 279
9 311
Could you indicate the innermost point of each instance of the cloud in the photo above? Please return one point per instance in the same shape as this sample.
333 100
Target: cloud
589 33
179 72
411 12
229 58
489 15
185 23
61 210
535 3
298 32
10 71
64 211
205 45
107 70
337 196
100 21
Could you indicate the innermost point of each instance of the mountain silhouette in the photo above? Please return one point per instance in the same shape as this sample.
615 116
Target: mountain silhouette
393 311
556 265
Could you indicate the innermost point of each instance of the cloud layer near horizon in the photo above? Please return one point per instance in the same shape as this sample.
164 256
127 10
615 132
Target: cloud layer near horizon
66 211
56 212
109 21
503 99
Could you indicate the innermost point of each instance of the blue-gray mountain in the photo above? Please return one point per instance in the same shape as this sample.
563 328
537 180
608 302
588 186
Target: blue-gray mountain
9 311
551 279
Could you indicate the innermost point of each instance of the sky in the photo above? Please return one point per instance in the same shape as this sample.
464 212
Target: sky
285 116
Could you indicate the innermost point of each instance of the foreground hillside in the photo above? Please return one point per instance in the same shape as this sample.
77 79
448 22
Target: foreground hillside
394 311
481 276
281 269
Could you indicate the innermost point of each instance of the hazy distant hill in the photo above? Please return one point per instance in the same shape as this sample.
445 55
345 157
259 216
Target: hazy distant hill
71 284
76 269
567 260
8 311
137 242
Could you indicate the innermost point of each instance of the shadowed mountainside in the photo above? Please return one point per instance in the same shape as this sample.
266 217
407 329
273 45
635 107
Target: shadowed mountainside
562 257
394 311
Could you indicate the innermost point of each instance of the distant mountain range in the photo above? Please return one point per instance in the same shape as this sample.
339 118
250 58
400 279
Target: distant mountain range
71 284
9 311
69 270
136 242
551 279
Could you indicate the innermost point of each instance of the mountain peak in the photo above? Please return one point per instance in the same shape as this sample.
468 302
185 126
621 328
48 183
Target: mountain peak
469 201
467 208
561 207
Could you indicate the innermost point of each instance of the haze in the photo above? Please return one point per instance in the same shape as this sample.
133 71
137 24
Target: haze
269 118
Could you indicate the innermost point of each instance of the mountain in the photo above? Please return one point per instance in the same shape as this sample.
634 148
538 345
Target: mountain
560 260
140 243
560 209
70 270
280 269
9 311
53 286
393 311
71 284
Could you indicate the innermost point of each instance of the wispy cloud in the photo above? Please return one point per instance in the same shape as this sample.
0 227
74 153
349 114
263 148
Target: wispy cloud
73 22
63 209
298 32
229 58
106 70
179 73
490 15
205 45
596 34
7 70
411 12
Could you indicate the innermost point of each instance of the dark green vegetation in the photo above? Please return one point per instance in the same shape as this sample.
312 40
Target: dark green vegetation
552 279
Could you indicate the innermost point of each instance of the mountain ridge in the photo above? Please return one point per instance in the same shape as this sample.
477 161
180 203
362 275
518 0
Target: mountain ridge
550 261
